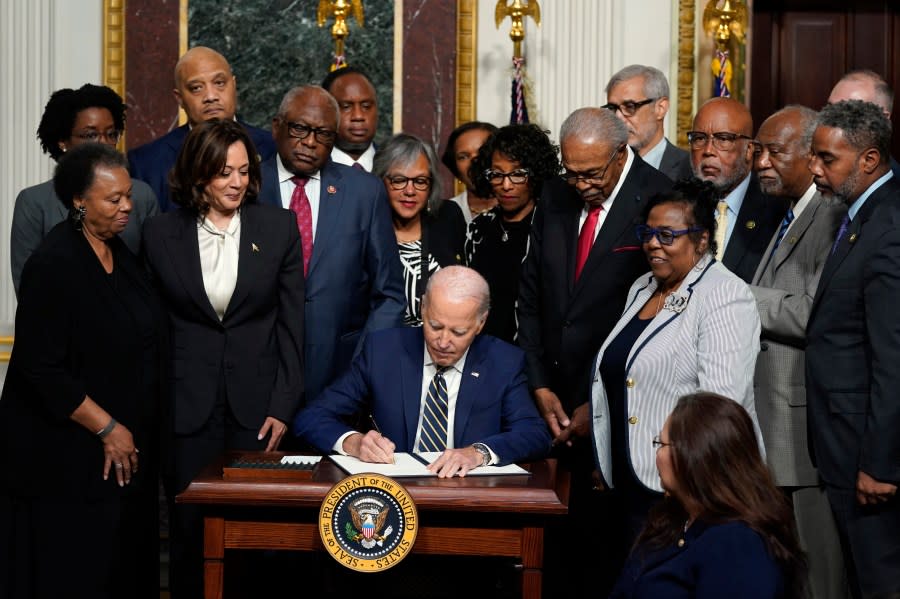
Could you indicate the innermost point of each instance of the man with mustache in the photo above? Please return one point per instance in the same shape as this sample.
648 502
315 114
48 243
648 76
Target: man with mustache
206 89
721 153
354 280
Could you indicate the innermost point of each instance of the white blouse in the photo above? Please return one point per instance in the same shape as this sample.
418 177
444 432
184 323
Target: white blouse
219 260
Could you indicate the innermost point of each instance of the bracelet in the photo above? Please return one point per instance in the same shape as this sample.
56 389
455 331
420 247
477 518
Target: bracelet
103 432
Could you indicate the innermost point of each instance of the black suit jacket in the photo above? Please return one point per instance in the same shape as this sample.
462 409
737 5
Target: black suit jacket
152 161
759 218
675 163
562 323
75 337
256 350
853 349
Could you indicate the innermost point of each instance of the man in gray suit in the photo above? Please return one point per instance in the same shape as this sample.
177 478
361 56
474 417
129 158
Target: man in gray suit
784 286
639 96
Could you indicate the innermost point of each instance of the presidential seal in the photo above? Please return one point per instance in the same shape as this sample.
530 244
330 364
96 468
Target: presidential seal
368 522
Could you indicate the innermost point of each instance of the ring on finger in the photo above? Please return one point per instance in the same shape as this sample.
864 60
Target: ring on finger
119 465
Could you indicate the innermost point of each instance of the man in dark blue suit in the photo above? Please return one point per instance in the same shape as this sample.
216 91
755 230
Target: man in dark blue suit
438 388
354 280
206 89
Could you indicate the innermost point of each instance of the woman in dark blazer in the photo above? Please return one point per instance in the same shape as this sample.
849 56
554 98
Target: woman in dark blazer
429 232
230 273
78 415
724 528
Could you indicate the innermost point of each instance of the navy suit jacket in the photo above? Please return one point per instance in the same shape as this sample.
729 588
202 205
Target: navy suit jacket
152 161
355 281
759 218
493 405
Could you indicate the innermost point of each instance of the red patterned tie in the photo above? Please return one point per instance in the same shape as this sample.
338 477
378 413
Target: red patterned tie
586 239
300 207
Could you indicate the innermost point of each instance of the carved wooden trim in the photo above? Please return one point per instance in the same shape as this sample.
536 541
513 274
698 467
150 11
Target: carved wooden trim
686 68
466 59
114 48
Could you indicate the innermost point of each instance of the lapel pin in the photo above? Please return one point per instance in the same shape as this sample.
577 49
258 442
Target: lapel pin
254 247
475 374
792 240
332 189
852 238
751 224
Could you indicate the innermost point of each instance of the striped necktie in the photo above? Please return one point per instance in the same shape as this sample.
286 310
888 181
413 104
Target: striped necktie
785 223
434 416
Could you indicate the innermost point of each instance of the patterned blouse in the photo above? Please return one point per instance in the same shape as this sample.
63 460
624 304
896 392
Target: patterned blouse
411 258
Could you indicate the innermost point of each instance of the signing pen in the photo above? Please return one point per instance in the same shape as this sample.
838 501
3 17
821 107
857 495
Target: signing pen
378 430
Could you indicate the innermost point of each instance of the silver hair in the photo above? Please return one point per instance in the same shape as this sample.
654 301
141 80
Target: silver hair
400 151
655 83
294 92
461 283
808 122
594 124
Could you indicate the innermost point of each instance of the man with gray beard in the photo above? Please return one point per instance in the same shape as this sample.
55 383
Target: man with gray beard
722 153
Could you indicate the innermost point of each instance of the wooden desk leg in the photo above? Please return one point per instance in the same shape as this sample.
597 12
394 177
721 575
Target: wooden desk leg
213 557
532 562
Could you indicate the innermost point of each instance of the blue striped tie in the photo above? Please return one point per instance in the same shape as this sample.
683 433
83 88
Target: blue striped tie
785 223
434 416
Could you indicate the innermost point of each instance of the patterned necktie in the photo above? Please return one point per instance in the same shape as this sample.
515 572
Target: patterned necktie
785 223
434 416
301 208
586 239
844 225
721 228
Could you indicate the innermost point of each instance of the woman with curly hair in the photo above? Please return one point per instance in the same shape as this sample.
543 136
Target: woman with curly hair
512 166
724 529
91 113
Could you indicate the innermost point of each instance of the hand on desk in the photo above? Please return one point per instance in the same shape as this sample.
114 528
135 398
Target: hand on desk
456 462
371 447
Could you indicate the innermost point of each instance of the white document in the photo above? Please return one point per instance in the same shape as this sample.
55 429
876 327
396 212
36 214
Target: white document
408 464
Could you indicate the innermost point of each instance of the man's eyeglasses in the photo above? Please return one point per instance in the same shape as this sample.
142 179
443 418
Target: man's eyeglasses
658 443
399 182
664 236
628 107
112 135
300 131
721 140
572 178
516 177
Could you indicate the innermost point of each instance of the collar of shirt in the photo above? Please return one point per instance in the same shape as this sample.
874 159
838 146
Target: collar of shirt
800 205
607 204
654 156
858 204
366 159
312 188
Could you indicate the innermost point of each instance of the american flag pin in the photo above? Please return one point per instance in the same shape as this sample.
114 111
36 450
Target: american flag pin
254 247
475 374
332 189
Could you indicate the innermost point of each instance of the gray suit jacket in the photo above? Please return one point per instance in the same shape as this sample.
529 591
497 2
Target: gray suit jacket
38 210
675 163
784 287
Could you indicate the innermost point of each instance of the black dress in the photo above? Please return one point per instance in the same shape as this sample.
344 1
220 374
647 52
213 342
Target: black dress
64 531
496 249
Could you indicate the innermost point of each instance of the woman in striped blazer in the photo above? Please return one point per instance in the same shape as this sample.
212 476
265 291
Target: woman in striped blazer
688 325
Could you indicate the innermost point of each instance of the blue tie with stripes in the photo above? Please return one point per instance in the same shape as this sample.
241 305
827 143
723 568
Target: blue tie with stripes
785 223
434 416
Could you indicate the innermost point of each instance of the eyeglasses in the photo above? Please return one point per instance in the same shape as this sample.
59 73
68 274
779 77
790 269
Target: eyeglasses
516 177
628 107
572 178
658 443
112 135
721 140
300 131
664 236
399 182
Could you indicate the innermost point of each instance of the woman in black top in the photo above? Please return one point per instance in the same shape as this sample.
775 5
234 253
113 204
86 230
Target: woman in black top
78 415
430 233
511 166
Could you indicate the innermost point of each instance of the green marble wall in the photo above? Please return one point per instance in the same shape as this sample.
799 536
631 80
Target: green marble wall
274 45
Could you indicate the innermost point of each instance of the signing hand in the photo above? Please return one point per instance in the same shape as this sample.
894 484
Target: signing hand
552 412
871 492
578 427
277 428
456 462
120 454
371 447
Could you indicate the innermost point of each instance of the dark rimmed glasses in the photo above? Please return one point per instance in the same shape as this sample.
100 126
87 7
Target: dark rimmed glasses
721 140
628 107
664 236
399 182
301 131
516 177
573 178
93 136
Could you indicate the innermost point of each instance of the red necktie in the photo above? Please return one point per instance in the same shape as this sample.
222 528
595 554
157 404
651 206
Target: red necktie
586 239
300 207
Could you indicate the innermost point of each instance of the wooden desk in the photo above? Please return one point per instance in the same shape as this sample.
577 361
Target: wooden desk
504 515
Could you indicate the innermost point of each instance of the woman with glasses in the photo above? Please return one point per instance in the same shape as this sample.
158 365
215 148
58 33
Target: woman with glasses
462 147
430 233
724 529
511 166
688 325
91 113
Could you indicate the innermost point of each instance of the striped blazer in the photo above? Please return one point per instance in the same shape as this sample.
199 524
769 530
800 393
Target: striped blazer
706 338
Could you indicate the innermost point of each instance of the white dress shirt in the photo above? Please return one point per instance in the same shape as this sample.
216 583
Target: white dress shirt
219 252
607 204
313 188
366 159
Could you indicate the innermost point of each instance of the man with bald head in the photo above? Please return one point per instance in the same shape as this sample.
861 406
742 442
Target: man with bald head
206 89
440 388
722 153
354 280
868 86
583 256
784 286
358 106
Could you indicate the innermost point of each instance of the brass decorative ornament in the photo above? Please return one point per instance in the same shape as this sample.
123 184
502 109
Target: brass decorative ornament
342 10
517 11
724 20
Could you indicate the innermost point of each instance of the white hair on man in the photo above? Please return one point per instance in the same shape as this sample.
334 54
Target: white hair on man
594 124
458 284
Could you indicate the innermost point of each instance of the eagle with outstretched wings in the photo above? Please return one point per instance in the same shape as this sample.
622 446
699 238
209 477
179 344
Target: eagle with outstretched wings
368 527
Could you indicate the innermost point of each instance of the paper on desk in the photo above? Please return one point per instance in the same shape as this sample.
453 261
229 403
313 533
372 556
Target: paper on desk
407 464
301 459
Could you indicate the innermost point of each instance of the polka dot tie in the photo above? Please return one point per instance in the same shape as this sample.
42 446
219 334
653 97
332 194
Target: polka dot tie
301 209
